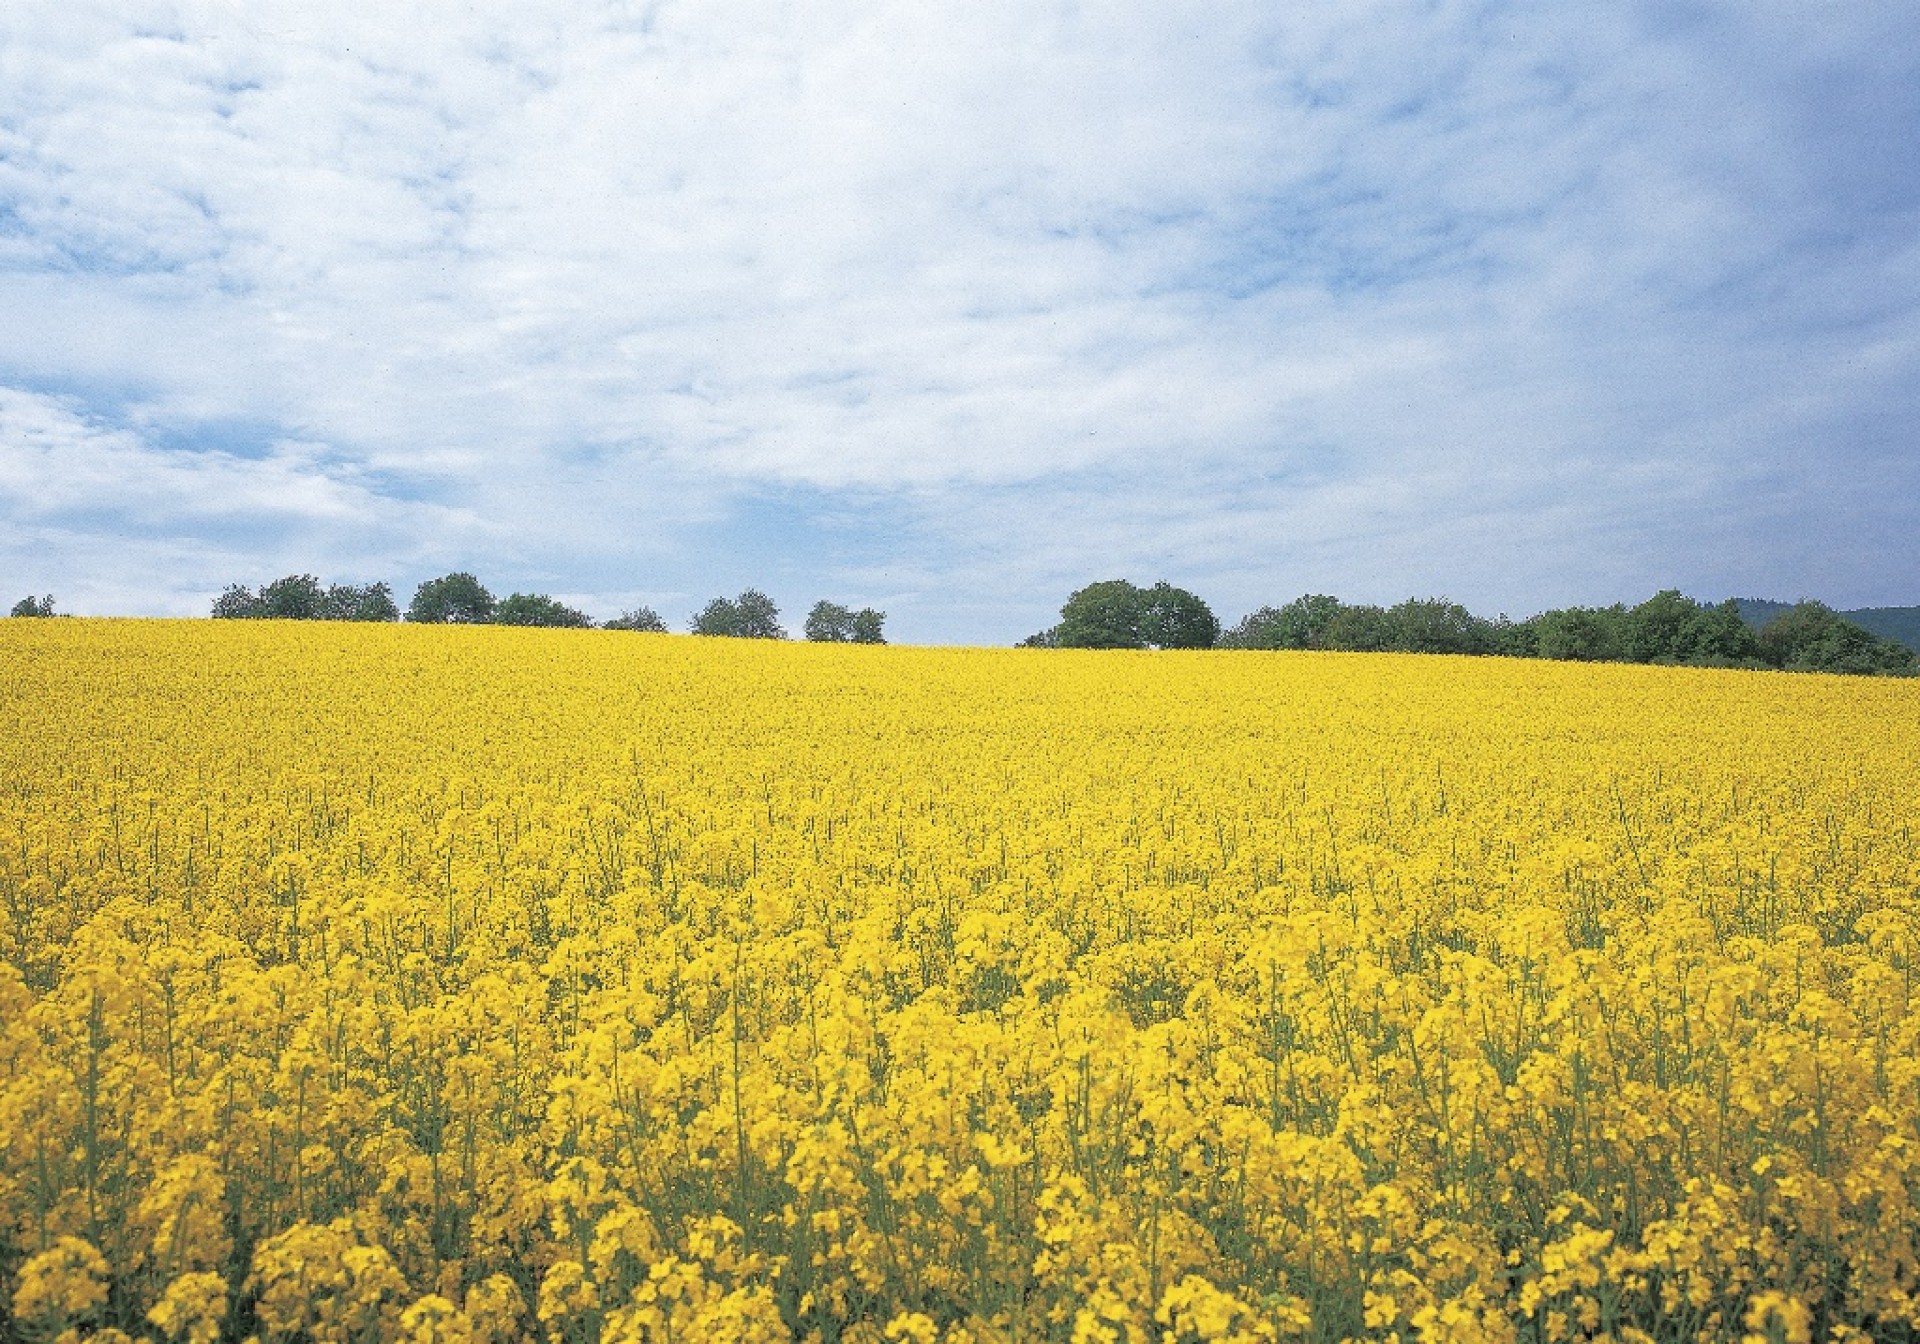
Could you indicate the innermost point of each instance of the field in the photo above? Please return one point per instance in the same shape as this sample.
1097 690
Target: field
380 983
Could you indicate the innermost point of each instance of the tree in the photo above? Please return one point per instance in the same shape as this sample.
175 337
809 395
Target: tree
237 603
298 597
752 615
452 599
831 623
642 619
539 609
1579 634
867 626
1173 618
33 606
364 602
1301 624
1812 637
1360 629
1435 625
1104 615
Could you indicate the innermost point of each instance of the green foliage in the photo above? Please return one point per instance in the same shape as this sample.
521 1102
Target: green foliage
1900 624
1581 634
1360 629
1301 624
1104 615
1671 628
237 603
829 622
299 597
1114 614
452 599
539 609
361 602
1668 627
752 615
1173 618
33 606
1435 625
644 620
1812 637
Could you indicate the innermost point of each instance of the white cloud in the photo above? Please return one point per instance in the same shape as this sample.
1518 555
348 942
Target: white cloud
1397 297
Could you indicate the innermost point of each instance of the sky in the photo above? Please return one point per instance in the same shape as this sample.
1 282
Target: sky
950 309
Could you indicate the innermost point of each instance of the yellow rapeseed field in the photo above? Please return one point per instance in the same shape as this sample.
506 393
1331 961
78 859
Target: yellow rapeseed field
377 983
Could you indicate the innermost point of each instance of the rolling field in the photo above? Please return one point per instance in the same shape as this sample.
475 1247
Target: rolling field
376 983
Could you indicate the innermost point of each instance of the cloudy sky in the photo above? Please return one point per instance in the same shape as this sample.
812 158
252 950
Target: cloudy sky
952 308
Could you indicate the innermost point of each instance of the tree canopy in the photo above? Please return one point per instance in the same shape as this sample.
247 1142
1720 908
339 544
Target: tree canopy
301 597
644 620
752 615
1115 614
831 623
539 609
451 599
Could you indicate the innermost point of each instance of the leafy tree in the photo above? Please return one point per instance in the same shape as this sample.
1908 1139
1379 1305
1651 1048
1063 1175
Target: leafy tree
363 602
1812 637
1435 625
299 597
1104 615
1361 629
237 603
752 615
33 606
1301 624
1720 635
1580 634
1173 618
539 609
829 622
642 619
1670 627
452 599
1042 639
1512 639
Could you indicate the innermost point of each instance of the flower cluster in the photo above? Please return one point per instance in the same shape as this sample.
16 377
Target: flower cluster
472 984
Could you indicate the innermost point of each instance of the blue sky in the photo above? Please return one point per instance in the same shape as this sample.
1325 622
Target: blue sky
950 309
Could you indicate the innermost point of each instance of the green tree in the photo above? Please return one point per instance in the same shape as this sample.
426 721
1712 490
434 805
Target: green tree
752 615
360 602
1435 625
1812 637
1173 618
829 622
1301 624
298 597
33 606
1579 634
1104 615
645 620
1361 629
452 599
539 609
237 603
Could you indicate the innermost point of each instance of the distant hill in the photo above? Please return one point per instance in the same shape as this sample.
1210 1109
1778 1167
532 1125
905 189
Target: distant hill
1901 624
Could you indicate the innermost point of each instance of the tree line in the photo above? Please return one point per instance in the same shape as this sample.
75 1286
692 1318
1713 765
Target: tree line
461 599
1668 628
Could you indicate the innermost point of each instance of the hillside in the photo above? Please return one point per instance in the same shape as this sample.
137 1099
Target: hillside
1895 623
